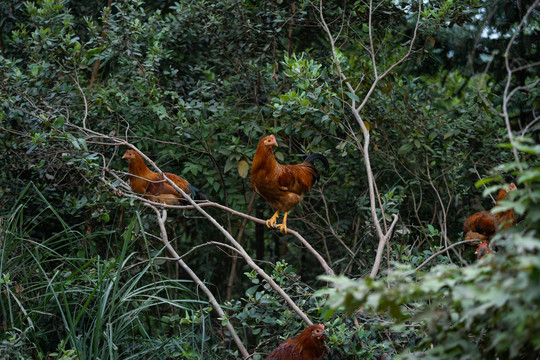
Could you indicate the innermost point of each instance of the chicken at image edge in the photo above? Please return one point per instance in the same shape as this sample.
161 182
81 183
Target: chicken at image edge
483 225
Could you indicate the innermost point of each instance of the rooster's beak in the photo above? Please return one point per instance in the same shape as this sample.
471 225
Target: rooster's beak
274 140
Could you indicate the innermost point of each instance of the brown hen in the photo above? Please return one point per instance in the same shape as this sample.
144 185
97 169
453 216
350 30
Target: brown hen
484 225
308 345
152 185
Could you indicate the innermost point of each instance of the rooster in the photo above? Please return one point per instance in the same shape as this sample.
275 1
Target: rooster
483 225
151 184
282 186
308 345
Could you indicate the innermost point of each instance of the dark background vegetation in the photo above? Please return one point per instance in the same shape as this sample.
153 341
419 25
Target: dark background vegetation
195 85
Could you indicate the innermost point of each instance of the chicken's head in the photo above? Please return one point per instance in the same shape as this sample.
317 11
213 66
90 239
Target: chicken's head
130 155
318 332
269 141
482 250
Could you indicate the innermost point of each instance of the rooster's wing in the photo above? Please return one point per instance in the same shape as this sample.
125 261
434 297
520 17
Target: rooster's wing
296 178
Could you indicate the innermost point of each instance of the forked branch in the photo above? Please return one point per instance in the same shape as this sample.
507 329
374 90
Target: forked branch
356 109
508 93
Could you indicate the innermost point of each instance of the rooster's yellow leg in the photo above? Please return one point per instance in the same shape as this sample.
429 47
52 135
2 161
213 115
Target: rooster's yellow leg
272 221
283 226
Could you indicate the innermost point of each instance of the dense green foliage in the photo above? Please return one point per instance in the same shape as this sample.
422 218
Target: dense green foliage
195 85
486 310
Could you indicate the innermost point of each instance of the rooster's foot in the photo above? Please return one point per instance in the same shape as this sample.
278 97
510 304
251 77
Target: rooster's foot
271 223
282 228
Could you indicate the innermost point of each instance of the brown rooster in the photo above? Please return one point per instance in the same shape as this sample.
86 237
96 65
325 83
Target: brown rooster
282 186
308 345
151 184
484 224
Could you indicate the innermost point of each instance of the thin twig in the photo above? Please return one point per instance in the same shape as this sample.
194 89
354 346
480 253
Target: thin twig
442 251
239 236
364 148
507 95
217 243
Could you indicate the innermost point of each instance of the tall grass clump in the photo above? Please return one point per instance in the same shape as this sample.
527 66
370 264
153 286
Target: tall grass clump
60 299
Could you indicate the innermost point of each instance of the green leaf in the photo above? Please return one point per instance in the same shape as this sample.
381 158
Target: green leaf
352 96
59 121
229 164
405 149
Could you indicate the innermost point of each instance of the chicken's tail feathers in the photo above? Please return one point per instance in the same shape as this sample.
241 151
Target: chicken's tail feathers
322 158
197 194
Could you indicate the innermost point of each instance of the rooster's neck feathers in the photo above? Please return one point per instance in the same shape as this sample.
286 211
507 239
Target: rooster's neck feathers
138 167
264 158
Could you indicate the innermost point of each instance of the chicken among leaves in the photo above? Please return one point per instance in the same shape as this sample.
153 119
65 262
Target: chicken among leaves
308 345
483 225
152 185
282 186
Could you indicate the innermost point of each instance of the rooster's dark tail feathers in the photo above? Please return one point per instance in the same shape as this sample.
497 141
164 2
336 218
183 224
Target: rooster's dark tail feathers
309 161
197 194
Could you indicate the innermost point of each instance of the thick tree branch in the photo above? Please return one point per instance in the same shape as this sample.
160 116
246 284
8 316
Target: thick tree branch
380 248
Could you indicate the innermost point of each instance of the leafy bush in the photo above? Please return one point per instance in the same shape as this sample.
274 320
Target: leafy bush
489 309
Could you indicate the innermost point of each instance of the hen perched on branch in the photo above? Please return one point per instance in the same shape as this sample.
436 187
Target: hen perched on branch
308 345
152 185
282 186
484 224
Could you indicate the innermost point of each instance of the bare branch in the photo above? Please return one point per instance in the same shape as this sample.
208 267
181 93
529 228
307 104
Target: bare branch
383 238
164 238
216 243
202 204
391 67
507 95
241 250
